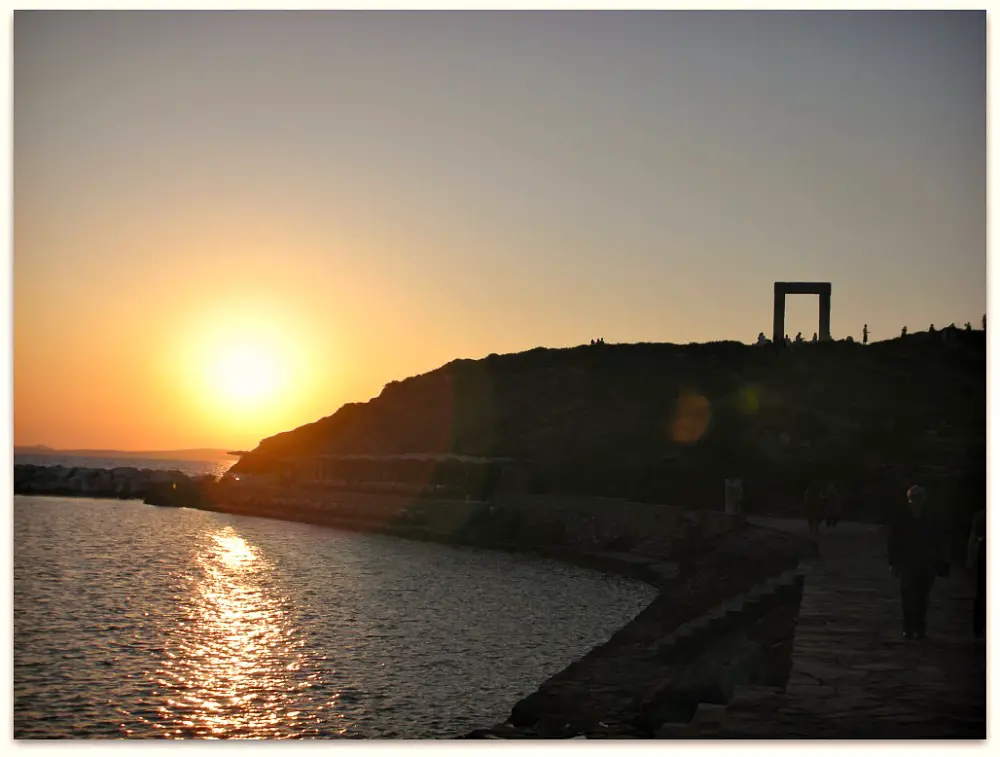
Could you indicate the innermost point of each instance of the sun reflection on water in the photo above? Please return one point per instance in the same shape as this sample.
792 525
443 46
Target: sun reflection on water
234 667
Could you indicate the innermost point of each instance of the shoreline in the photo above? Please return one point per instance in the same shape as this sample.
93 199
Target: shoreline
646 570
698 562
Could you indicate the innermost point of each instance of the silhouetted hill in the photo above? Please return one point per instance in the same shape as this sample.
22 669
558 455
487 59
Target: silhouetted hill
666 423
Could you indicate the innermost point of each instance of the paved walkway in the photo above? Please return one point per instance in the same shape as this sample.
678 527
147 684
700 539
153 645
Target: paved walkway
853 675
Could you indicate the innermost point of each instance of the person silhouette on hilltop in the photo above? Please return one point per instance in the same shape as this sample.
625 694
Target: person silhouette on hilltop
864 334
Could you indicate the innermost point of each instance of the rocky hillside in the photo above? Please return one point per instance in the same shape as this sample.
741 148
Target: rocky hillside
666 423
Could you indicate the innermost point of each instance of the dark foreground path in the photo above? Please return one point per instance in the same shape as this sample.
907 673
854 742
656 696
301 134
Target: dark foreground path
853 674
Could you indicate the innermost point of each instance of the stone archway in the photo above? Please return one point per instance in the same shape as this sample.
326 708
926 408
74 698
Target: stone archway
782 288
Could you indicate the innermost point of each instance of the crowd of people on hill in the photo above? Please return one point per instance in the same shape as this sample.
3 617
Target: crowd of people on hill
763 339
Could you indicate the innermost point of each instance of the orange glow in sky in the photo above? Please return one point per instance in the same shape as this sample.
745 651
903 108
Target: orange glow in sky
227 225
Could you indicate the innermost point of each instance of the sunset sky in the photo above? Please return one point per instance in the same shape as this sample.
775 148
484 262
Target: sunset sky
229 224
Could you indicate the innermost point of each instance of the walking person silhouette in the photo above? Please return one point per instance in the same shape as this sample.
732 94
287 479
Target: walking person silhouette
975 560
916 554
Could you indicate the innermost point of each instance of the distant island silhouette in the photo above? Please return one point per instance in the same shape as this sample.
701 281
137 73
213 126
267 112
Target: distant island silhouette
175 454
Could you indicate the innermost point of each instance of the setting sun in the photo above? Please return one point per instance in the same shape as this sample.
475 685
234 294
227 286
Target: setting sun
244 374
245 367
238 374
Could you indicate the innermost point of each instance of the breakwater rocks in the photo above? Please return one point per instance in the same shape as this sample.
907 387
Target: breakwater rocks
158 487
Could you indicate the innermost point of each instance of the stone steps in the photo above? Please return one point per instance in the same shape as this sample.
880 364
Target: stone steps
709 718
754 601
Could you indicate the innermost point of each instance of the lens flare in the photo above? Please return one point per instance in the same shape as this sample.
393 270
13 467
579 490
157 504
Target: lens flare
691 416
749 400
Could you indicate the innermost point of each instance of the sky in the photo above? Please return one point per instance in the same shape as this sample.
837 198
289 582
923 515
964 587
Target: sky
230 224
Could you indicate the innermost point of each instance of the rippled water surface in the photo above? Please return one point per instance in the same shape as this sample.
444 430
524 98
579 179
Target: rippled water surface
131 620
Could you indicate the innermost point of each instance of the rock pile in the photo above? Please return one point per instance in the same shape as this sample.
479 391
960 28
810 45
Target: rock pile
158 487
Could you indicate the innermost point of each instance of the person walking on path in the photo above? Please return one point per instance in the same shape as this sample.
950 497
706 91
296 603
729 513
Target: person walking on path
975 560
831 505
814 509
916 554
734 495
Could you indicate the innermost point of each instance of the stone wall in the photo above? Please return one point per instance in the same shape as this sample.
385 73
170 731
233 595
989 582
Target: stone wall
579 525
605 524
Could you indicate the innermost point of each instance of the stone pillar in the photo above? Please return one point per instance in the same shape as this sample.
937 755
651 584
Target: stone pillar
779 315
824 317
